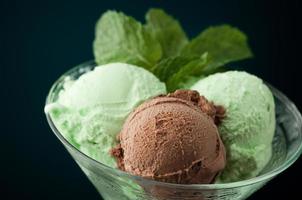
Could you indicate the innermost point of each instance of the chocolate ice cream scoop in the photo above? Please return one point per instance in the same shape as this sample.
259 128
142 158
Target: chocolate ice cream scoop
174 139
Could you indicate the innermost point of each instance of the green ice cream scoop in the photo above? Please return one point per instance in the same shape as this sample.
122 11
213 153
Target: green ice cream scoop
90 111
248 129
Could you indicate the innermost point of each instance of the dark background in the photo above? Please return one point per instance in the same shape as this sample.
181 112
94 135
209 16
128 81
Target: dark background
42 39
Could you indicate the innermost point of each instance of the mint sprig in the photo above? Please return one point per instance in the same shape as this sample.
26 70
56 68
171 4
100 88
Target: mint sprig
162 47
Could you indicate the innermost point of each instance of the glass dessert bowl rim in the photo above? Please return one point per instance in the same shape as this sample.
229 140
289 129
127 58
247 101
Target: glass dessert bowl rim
266 176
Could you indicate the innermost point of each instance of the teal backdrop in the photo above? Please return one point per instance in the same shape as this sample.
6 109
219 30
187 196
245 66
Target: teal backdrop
42 39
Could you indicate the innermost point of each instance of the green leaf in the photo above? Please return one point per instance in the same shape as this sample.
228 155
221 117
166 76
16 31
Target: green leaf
176 70
223 43
190 81
120 38
167 31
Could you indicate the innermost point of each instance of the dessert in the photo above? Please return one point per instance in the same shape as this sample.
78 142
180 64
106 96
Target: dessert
170 138
121 115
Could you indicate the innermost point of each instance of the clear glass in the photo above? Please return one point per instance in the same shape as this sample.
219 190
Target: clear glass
115 184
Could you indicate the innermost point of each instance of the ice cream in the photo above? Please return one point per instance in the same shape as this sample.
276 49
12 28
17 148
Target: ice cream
248 129
173 138
90 111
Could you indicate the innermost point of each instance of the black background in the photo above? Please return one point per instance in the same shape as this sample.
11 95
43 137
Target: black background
42 39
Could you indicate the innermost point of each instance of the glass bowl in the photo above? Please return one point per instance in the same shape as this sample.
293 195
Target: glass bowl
114 184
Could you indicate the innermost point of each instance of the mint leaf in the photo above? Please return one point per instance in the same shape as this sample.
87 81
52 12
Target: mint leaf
176 70
190 81
167 31
120 38
223 43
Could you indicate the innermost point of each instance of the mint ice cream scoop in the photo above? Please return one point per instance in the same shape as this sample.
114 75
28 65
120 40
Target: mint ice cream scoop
90 111
248 129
